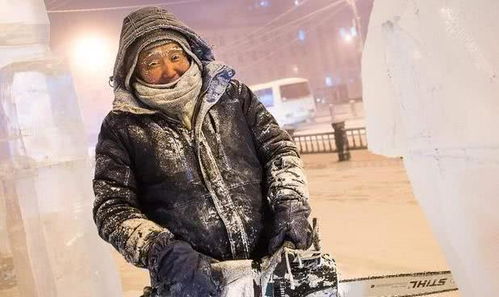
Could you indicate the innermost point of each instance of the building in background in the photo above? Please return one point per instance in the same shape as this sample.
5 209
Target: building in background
317 40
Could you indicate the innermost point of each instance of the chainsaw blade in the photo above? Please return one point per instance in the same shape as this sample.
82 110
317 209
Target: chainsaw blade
398 285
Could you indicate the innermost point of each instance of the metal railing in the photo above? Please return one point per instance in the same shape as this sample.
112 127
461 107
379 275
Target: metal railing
324 142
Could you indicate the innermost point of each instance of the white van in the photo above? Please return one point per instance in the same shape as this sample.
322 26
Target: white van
289 100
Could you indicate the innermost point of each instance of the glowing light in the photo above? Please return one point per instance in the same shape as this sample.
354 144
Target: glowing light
302 35
91 53
348 34
343 32
353 31
264 3
329 81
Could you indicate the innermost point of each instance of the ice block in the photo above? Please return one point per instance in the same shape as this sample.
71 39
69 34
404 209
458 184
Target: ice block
431 95
49 243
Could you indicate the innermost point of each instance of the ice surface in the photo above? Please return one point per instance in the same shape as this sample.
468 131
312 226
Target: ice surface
431 95
46 178
46 226
26 12
24 30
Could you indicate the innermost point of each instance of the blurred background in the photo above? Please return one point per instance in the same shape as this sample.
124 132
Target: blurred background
263 40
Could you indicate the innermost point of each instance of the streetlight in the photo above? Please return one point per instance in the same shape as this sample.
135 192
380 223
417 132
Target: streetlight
356 21
302 35
348 35
91 52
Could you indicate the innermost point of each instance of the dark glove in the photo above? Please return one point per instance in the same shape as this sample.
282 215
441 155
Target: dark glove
290 224
179 271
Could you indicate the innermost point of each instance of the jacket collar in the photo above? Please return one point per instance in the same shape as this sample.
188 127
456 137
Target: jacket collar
216 78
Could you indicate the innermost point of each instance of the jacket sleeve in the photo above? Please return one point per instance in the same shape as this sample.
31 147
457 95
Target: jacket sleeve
284 175
116 208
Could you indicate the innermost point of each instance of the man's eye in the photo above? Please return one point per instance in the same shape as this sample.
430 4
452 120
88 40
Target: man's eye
152 64
175 58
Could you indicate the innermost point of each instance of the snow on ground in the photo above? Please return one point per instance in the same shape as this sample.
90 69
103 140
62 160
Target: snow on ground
369 220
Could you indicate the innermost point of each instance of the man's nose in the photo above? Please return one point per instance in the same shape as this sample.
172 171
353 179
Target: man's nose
169 70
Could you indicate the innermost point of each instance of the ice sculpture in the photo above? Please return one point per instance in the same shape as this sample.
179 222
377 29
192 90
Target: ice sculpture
45 176
431 95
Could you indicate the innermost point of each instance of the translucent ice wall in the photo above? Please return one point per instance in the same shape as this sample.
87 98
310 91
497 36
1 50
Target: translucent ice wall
24 30
432 95
46 227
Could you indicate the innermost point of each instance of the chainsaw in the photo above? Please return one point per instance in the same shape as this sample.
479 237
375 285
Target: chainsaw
311 273
298 273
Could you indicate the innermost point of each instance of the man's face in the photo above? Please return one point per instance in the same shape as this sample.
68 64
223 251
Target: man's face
162 64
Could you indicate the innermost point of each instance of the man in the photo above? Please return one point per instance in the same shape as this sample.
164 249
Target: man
190 167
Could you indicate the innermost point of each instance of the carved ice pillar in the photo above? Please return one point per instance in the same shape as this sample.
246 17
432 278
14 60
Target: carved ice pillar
431 93
46 197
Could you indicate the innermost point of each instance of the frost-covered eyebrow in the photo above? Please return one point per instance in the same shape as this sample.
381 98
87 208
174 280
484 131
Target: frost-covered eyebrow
161 52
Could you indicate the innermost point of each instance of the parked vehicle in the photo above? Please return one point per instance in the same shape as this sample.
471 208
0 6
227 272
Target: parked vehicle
289 100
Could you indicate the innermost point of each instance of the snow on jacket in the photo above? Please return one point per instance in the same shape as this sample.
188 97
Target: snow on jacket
214 187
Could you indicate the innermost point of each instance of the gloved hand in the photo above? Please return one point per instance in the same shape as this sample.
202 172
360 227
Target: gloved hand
179 271
290 224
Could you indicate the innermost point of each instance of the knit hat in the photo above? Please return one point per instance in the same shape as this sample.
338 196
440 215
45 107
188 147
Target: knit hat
153 39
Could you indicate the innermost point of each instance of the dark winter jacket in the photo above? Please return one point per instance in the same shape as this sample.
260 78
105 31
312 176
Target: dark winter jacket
214 187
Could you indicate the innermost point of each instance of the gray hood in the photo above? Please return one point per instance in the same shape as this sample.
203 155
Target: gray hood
135 26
